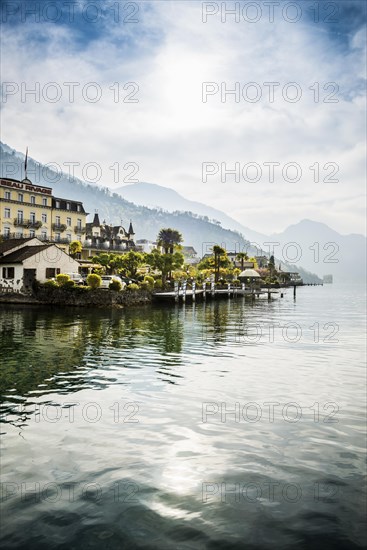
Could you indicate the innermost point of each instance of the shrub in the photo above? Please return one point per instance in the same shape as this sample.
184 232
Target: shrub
50 284
134 287
158 284
36 285
94 281
177 275
150 280
115 285
77 289
62 279
144 285
69 284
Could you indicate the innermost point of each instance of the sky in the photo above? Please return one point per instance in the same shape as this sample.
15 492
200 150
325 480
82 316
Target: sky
141 91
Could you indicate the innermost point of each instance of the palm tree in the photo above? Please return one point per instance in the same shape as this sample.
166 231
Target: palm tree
218 251
168 238
242 256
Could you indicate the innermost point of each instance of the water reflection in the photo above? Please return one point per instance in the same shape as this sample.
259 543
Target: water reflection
77 373
59 351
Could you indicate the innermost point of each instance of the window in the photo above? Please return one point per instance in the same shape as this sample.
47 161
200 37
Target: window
79 238
20 197
44 218
52 272
68 222
6 231
20 216
8 272
57 237
33 199
57 204
43 235
57 220
32 233
6 212
79 224
44 201
68 236
78 208
32 217
68 206
7 195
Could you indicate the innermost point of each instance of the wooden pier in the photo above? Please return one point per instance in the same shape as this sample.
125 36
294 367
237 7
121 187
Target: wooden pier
208 294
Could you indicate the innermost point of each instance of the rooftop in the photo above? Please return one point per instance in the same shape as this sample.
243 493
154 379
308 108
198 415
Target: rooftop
7 245
18 256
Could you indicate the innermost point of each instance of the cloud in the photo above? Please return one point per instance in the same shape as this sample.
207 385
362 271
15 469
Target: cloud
170 132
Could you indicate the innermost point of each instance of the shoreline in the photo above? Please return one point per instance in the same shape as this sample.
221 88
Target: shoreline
92 299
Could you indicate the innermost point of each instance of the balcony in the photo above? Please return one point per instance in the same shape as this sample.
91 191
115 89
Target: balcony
108 246
59 227
59 241
20 222
43 238
79 230
8 236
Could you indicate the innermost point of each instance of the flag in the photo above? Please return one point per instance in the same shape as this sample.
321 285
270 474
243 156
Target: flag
25 162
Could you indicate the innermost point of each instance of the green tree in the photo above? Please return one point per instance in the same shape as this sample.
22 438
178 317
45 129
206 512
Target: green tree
242 257
169 238
206 263
130 263
165 263
75 247
220 260
271 266
105 260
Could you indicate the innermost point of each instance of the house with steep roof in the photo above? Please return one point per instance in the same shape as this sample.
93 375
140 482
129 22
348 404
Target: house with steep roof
102 237
22 261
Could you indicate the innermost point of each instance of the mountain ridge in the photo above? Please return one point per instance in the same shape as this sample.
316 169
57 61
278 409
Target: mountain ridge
321 249
197 229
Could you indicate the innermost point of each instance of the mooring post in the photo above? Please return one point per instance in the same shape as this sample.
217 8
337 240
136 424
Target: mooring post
212 285
204 289
184 291
177 292
193 290
294 291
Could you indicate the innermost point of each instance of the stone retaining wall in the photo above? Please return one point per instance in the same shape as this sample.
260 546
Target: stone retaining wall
92 298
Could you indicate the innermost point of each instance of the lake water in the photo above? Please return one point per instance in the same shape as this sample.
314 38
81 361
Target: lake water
219 425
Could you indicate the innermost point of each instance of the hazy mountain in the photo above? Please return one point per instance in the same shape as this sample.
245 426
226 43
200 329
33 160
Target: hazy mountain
157 196
323 250
147 222
318 249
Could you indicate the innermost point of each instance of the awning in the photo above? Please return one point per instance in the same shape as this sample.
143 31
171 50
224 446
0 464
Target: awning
250 273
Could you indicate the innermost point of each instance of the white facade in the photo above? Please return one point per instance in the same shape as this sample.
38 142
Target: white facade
143 245
42 265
